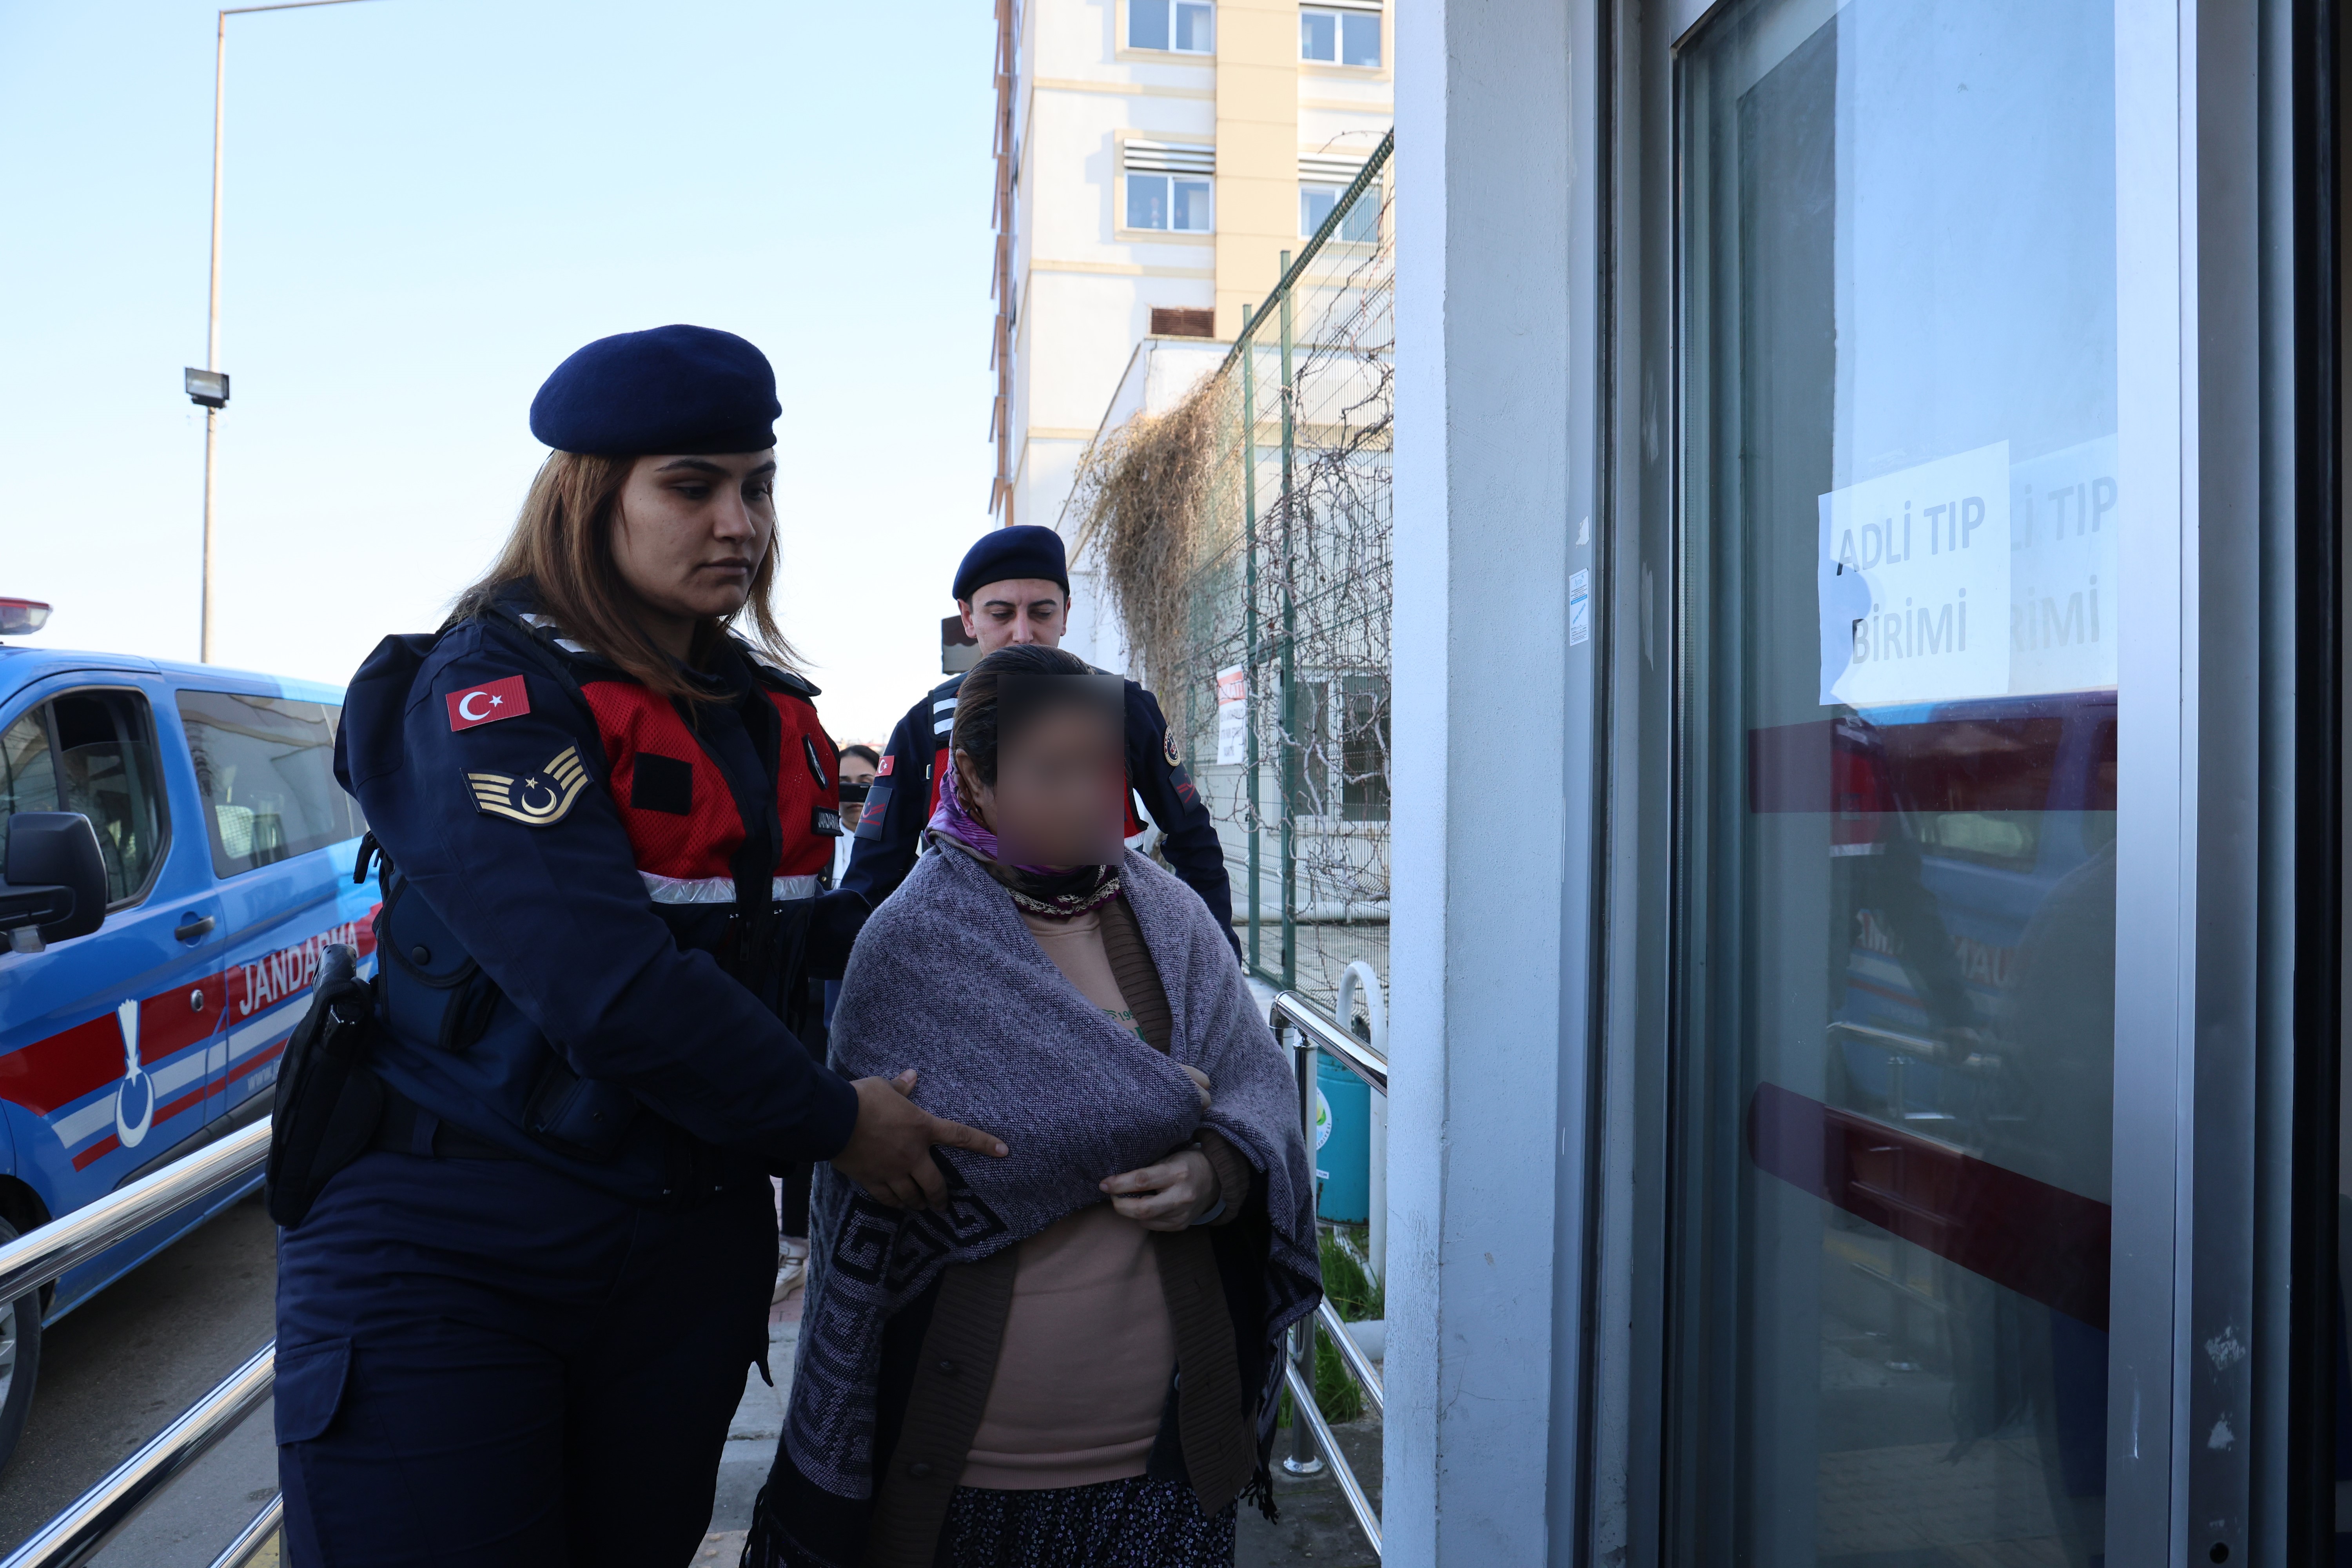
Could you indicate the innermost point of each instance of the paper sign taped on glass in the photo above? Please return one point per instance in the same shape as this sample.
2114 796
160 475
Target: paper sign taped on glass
1971 577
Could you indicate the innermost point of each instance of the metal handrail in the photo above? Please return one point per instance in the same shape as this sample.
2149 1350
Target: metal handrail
255 1536
81 1532
1302 1403
1321 1034
1359 1364
1297 1011
40 1256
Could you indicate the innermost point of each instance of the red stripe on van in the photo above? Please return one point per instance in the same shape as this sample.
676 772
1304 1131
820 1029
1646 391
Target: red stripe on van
98 1150
258 1058
169 1023
2046 1243
64 1066
1994 761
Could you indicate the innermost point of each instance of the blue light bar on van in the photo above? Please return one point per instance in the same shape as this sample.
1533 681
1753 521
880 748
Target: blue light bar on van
20 616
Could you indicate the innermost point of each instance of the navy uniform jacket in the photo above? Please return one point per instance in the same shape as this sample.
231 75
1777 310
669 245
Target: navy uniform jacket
595 909
906 791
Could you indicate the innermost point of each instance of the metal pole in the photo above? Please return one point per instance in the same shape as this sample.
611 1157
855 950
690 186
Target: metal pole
77 1535
212 297
1249 611
1290 743
211 335
1302 1460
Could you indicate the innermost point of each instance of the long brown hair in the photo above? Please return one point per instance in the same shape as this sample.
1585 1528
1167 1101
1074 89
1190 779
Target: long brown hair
563 545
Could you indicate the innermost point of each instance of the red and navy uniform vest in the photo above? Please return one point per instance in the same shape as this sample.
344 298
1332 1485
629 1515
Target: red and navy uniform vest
599 903
906 791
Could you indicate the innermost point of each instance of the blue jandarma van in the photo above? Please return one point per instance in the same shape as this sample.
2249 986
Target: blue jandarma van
228 850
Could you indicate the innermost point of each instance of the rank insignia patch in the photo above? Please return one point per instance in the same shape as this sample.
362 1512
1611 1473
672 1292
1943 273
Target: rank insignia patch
536 800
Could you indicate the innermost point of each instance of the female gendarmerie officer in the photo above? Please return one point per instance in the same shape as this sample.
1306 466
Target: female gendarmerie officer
513 1330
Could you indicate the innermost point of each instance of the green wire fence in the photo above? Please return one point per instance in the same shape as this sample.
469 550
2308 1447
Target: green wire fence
1273 662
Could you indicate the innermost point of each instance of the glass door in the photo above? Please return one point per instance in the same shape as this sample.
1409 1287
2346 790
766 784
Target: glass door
1902 514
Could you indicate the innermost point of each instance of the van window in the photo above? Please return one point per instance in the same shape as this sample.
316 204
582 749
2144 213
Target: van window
94 753
266 768
28 774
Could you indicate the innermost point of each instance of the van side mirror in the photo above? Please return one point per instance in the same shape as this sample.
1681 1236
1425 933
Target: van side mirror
54 885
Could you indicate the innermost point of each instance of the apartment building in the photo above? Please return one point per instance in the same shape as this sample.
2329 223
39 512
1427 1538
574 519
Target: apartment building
1155 158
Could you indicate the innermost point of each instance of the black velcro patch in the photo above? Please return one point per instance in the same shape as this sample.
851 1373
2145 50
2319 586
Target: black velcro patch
663 783
826 823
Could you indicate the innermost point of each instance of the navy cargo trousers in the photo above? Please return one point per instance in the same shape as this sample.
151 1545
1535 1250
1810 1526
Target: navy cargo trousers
484 1361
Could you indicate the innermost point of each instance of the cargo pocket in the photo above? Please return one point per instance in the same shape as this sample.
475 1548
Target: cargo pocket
310 1388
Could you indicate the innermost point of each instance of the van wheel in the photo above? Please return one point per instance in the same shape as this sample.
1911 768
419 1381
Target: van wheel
20 1358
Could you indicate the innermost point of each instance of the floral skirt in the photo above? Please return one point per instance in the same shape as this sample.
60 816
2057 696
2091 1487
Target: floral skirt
1133 1523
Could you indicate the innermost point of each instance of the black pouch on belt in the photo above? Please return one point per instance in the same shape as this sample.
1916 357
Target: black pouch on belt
328 1101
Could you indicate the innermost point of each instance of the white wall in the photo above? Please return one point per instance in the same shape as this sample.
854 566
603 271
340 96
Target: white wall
1490 893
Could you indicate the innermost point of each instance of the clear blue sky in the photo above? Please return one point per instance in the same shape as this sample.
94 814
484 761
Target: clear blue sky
428 203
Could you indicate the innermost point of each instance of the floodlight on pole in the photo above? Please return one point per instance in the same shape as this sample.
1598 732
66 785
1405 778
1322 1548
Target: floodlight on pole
209 386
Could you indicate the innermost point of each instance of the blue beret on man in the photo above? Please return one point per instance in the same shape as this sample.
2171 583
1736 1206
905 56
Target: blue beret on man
1007 554
671 389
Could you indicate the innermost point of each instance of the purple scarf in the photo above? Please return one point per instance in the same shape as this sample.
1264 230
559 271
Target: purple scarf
1055 892
950 820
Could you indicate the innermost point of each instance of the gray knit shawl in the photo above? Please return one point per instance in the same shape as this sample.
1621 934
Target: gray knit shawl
947 979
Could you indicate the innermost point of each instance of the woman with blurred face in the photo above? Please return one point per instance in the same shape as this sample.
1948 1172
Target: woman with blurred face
1008 1393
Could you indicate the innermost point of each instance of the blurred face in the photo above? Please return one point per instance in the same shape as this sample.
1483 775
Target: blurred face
1060 785
1019 610
690 533
855 770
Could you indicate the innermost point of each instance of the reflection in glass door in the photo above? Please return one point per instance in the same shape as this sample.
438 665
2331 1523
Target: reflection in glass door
1894 976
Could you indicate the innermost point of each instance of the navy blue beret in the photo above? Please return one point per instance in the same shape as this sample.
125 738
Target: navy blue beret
1004 554
672 389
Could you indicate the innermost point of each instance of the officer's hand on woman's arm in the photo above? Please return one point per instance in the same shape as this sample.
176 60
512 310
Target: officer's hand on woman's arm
889 1150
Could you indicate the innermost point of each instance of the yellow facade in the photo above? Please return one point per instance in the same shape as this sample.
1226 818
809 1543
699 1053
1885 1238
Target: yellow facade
1257 151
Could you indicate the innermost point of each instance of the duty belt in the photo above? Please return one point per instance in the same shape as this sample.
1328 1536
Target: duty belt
396 1130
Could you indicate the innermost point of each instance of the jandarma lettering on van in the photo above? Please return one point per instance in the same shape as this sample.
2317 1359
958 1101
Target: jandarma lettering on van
289 971
536 800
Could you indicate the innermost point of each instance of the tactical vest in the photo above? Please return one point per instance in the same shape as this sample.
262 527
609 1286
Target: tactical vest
731 818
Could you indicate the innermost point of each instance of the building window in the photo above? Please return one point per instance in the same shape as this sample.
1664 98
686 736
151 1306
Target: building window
1169 202
1186 27
1168 186
1343 741
1346 37
1316 203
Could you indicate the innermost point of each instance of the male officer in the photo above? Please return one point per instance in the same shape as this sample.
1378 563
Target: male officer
1014 587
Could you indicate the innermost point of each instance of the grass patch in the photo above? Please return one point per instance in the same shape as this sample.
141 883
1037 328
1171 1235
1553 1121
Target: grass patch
1355 1296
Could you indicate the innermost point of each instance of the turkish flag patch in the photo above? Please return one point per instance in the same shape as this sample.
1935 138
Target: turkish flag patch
487 704
889 761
